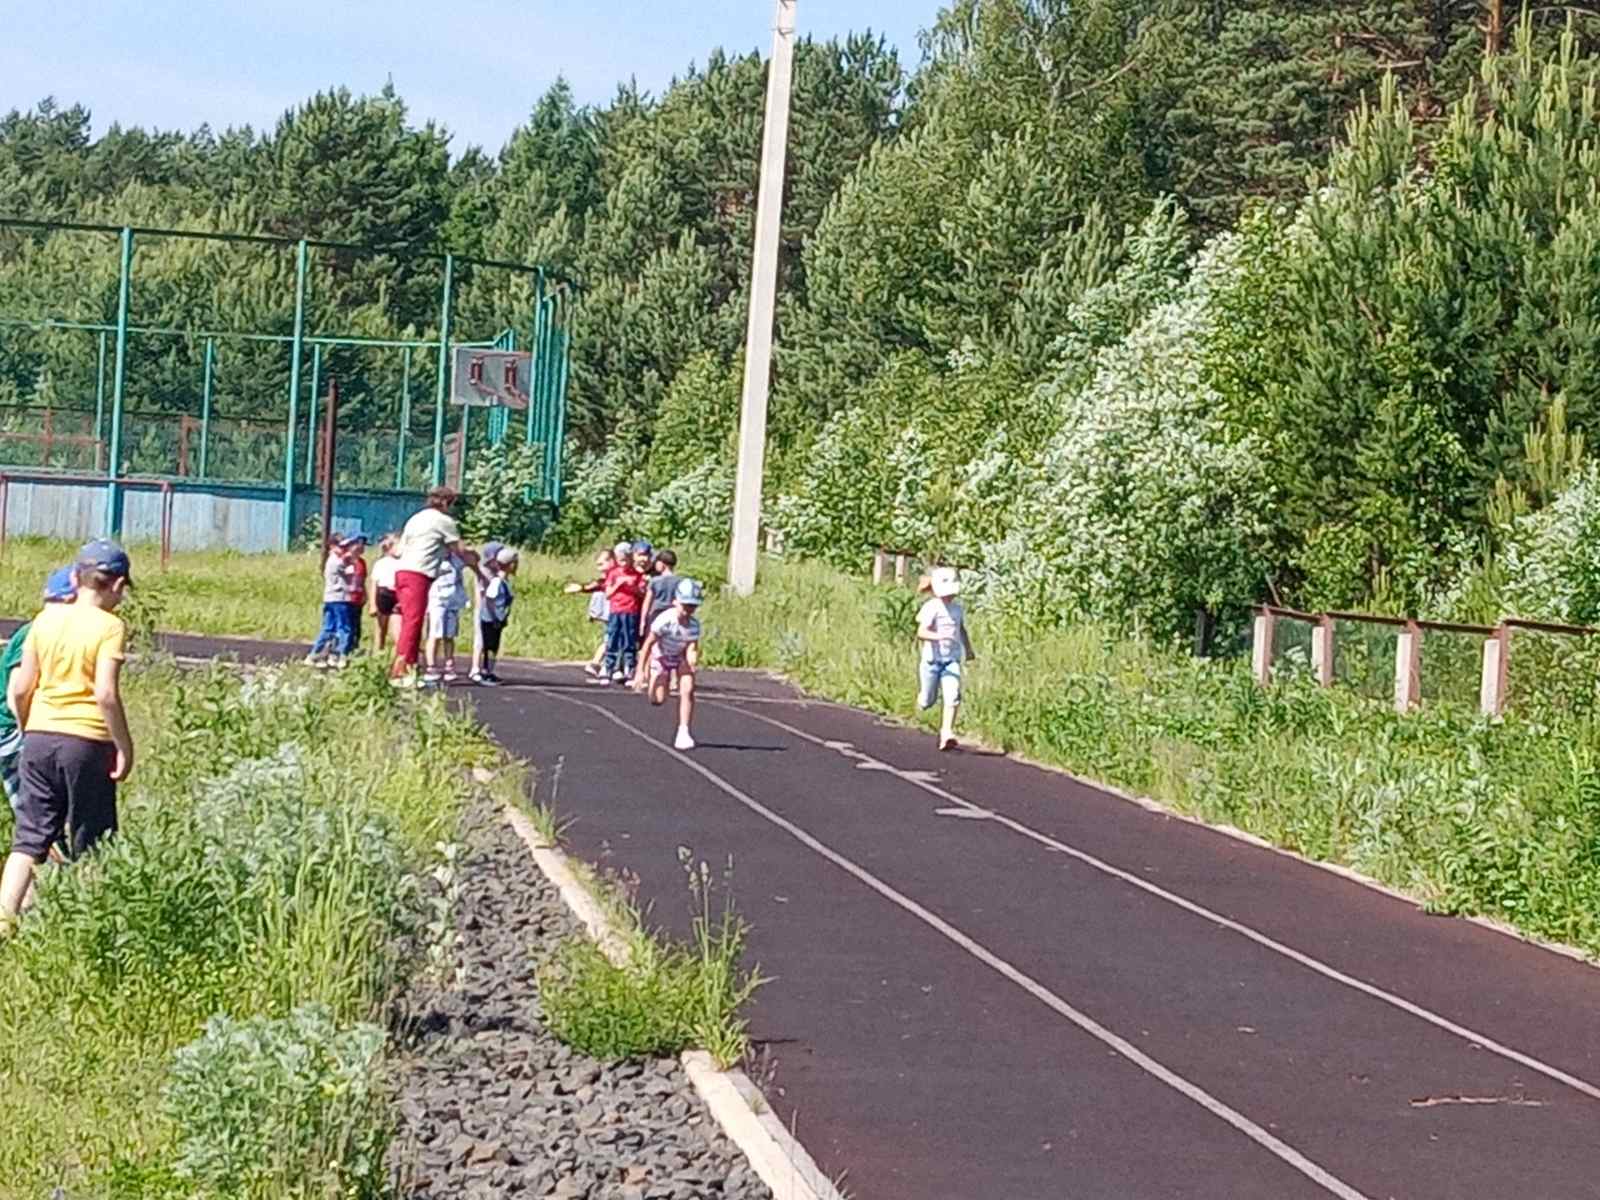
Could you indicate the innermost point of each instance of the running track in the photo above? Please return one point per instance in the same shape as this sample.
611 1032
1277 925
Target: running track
991 981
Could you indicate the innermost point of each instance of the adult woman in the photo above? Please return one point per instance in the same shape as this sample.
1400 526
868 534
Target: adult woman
428 539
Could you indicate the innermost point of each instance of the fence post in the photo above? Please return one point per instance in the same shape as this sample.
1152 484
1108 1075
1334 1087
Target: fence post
442 383
1408 668
1261 648
880 565
1322 651
100 406
311 413
119 374
901 562
291 431
536 345
1496 657
205 408
405 421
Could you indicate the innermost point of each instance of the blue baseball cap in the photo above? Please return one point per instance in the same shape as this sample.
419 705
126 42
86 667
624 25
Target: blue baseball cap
108 556
690 591
491 550
62 586
642 547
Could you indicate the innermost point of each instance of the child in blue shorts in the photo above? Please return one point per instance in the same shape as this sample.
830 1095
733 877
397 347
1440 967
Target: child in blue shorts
942 633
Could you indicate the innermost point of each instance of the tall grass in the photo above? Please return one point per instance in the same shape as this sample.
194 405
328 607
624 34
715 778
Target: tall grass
275 837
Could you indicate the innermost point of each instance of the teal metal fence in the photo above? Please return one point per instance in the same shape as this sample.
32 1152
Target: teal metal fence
89 384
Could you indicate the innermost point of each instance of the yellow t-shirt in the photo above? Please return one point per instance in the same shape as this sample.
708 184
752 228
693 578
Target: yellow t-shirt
69 640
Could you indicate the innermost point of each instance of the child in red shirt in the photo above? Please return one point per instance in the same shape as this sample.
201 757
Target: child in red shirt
355 546
624 590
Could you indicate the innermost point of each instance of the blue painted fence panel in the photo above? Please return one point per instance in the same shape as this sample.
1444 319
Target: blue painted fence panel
208 516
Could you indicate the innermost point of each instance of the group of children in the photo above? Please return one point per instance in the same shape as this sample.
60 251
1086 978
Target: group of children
650 614
64 739
652 626
347 587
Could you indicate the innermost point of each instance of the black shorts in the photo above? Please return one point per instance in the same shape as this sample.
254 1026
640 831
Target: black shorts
386 602
65 781
489 635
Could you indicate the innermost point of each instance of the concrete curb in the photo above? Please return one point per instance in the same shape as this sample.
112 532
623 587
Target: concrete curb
736 1104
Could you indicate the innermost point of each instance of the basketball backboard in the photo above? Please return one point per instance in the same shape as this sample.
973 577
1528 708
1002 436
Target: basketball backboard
485 378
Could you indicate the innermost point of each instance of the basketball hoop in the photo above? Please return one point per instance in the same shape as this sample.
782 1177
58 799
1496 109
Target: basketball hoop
485 378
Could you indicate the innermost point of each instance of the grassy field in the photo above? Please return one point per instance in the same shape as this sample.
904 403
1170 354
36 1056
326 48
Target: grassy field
198 1010
1496 817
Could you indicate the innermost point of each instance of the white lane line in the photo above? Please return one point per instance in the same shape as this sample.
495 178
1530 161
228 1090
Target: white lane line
1044 995
1472 1036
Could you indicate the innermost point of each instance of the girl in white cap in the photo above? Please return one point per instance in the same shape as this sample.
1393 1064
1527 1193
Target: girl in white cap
942 630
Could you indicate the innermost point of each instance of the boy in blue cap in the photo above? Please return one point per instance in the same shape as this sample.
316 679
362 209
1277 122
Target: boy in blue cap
76 748
60 588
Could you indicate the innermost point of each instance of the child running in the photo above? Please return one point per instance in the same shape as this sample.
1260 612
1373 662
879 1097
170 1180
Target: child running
76 748
942 631
447 596
673 648
494 610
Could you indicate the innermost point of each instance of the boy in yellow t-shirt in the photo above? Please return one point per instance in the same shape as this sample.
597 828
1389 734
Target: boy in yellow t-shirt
67 694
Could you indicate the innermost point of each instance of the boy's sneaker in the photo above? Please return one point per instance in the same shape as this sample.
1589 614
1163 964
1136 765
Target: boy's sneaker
451 677
489 680
618 677
316 660
601 680
684 741
430 679
338 662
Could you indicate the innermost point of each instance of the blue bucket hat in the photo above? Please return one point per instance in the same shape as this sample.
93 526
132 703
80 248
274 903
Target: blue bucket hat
62 586
108 556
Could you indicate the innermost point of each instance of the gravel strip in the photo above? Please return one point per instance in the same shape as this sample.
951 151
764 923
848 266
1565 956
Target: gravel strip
493 1105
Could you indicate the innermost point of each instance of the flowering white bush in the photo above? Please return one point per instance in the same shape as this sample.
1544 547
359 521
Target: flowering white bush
695 507
1551 558
1146 504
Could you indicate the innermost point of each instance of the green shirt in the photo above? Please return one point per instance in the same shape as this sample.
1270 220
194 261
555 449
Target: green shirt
10 659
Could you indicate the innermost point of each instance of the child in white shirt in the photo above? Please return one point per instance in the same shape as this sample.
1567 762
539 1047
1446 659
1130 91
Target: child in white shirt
447 596
942 632
673 648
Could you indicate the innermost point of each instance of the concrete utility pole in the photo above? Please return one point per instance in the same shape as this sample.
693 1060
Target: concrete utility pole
763 297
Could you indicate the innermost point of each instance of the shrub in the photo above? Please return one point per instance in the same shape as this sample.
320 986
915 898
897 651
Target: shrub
274 1107
503 494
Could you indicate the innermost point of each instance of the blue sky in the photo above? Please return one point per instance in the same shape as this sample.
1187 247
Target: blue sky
472 65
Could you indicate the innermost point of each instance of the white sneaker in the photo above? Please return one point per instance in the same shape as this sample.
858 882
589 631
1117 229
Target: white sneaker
618 677
316 660
477 677
684 742
451 677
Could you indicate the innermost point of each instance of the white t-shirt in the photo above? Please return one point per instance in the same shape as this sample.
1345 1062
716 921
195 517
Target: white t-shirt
674 634
425 541
383 571
944 618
